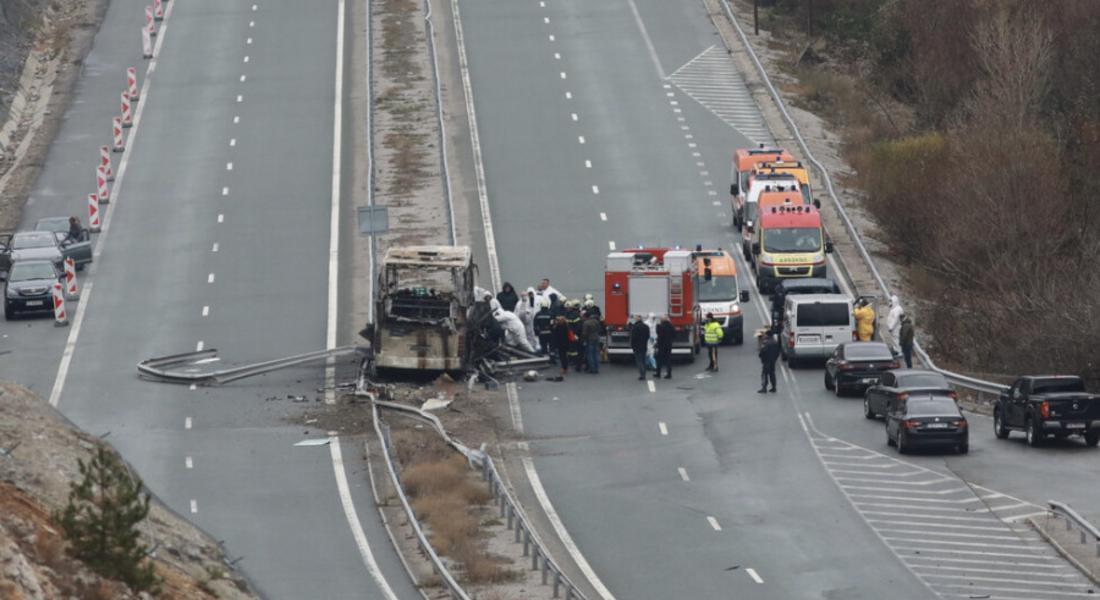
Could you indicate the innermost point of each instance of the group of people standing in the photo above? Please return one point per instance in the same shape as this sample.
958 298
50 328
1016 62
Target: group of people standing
651 342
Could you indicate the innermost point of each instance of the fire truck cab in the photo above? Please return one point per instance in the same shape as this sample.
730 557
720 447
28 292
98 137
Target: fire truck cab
651 280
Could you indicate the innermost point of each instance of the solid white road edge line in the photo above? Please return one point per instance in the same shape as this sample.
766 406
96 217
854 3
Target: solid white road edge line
349 505
648 42
683 473
714 524
78 318
755 577
494 271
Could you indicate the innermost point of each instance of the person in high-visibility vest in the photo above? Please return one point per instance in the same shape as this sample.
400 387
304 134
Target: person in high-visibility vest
712 336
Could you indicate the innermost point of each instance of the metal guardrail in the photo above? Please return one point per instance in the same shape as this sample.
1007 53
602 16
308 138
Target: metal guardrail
965 381
185 367
1071 518
510 512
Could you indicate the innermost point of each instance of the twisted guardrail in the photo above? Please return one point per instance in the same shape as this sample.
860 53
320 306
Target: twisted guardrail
965 381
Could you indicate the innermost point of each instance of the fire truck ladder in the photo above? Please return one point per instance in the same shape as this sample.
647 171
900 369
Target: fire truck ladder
187 367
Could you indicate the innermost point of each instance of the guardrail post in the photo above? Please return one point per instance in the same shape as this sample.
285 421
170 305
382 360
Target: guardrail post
569 593
1069 524
545 568
1098 549
557 582
526 541
1083 538
510 513
535 559
519 526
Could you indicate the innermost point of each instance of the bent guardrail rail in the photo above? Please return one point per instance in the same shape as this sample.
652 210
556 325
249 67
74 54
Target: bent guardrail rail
186 367
965 381
510 511
1086 529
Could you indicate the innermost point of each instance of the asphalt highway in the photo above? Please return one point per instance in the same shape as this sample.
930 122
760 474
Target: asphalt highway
697 487
218 237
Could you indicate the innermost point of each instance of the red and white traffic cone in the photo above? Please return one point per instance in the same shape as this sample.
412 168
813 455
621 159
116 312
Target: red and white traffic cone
101 188
120 143
127 114
158 10
146 43
105 162
93 213
60 319
150 21
71 289
131 83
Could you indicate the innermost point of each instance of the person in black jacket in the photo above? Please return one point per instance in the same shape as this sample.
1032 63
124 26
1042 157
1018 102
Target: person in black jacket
543 322
665 333
639 343
508 297
559 335
769 354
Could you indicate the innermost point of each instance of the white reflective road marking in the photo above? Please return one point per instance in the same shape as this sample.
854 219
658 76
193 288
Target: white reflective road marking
663 428
683 474
755 577
714 523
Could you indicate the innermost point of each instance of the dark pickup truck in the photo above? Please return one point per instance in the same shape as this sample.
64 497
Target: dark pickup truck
1055 405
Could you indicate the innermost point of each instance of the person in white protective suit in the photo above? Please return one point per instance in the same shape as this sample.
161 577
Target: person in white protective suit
526 310
545 290
893 321
514 332
651 346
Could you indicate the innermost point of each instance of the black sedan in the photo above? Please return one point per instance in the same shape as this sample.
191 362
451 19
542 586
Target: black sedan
899 384
29 288
926 421
854 366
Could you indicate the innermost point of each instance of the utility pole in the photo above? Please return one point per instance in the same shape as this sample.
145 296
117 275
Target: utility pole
756 17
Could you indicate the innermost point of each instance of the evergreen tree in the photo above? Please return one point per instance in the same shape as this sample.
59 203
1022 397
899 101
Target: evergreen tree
101 518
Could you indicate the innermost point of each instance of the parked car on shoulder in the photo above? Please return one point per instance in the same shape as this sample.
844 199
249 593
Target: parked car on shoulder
899 384
813 326
43 245
791 287
856 366
29 287
926 421
1045 405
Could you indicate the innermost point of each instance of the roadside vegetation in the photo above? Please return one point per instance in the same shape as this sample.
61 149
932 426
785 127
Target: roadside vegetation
975 130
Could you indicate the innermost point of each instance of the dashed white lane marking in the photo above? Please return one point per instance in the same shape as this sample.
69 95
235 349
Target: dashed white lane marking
588 164
603 216
673 103
568 95
580 139
692 145
251 24
712 80
551 37
662 428
574 116
194 506
696 154
546 20
246 58
228 166
243 77
213 248
670 94
187 423
708 183
210 278
712 193
248 41
232 142
716 203
542 4
683 473
236 118
563 76
704 173
221 218
677 110
596 190
225 191
652 386
199 346
611 245
193 387
714 523
206 311
254 7
557 56
188 463
755 577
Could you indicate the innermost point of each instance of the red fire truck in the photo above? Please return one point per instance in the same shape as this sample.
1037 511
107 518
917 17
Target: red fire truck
651 280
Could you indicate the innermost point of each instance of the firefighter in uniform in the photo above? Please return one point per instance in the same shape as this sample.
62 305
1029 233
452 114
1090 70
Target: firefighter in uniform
712 336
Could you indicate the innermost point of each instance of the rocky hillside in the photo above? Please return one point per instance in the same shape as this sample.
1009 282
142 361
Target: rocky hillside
19 19
39 450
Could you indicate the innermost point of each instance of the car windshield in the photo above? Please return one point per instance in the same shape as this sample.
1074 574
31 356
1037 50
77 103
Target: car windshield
33 240
933 407
792 239
1055 386
27 271
55 224
806 194
922 380
867 351
719 288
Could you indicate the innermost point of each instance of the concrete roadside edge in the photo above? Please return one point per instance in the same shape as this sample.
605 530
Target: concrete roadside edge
1070 558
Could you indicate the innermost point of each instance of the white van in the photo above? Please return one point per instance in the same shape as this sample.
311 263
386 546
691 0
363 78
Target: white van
814 324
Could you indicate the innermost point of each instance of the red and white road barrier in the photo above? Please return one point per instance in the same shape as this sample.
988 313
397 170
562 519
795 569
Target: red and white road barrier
131 83
71 289
127 113
60 319
158 10
146 43
93 213
120 143
150 21
101 189
105 162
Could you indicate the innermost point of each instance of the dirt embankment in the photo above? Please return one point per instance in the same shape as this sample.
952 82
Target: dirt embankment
39 451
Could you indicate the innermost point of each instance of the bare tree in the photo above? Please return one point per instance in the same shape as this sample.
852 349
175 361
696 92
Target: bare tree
1014 49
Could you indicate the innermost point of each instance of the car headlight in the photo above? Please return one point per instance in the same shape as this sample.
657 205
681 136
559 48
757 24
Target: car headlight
735 309
11 293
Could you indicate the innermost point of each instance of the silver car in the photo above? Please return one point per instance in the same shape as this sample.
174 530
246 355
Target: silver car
43 245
